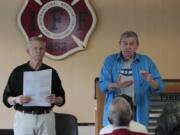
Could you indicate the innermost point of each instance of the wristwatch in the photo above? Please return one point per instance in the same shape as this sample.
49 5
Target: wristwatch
14 100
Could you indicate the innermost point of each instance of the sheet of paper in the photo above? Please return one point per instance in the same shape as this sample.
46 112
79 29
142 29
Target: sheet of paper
37 85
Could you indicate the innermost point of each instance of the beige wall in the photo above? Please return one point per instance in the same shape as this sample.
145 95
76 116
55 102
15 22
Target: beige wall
156 21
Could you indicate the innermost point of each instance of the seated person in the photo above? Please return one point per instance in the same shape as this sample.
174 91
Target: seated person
133 126
169 120
119 116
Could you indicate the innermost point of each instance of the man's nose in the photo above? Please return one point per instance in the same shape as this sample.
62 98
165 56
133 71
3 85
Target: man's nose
38 50
128 45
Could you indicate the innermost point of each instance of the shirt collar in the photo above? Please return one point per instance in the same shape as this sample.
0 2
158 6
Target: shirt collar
29 67
121 127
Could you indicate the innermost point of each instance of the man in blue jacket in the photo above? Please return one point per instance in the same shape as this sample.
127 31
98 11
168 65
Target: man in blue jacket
130 73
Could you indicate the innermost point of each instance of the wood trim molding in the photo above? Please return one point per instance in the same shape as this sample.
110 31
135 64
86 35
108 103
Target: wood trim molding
171 86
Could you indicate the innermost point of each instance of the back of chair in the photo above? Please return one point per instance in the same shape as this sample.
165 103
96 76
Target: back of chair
66 124
6 132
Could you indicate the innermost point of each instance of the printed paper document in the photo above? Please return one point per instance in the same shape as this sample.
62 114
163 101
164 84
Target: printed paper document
37 85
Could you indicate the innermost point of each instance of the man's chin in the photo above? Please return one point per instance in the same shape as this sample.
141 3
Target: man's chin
127 57
38 59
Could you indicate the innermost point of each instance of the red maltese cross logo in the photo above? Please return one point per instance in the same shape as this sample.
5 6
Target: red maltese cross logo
65 25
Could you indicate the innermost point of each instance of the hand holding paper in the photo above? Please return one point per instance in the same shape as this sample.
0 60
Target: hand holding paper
51 99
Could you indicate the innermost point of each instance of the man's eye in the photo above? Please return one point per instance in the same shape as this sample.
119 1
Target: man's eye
132 43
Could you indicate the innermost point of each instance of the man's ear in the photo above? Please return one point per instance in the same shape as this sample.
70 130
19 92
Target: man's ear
132 115
110 120
27 50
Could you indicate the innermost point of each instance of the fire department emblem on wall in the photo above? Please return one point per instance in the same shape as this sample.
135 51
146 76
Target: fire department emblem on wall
65 25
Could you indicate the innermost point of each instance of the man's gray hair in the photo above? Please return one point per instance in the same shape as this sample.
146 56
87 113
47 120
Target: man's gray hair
128 34
35 38
120 112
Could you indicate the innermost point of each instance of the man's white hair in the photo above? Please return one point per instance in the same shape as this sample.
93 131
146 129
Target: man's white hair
120 112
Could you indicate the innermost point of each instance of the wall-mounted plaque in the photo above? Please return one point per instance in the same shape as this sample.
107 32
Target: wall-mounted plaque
66 25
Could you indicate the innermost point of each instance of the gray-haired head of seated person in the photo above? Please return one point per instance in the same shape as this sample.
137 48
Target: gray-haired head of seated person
169 119
128 99
120 113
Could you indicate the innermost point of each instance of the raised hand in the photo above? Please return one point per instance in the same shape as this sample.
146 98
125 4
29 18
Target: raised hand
123 83
146 75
